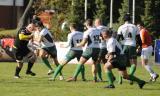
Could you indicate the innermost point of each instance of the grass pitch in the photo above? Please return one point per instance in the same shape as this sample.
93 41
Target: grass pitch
40 86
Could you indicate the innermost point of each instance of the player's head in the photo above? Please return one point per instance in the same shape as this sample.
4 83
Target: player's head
88 23
38 24
35 17
30 27
127 17
97 22
73 26
106 33
140 25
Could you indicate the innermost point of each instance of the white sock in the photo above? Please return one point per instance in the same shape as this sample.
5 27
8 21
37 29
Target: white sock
149 69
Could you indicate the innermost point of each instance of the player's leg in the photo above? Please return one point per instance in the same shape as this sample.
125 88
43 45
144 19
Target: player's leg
19 58
42 54
108 70
78 56
78 68
69 56
94 55
18 69
145 55
31 60
125 75
133 59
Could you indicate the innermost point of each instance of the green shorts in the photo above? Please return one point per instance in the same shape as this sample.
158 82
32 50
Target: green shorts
51 51
91 53
130 51
73 54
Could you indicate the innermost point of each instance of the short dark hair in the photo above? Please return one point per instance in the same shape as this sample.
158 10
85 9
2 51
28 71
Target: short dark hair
140 23
73 25
127 17
38 23
107 31
89 22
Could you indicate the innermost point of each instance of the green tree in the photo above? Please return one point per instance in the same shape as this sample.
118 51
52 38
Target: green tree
123 10
76 14
147 18
101 11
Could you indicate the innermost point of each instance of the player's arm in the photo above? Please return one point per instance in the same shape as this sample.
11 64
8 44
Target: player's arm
119 35
140 39
22 36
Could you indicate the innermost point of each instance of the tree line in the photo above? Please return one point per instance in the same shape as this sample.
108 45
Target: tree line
147 11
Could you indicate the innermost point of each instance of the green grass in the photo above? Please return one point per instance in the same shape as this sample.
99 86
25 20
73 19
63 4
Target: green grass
8 33
40 86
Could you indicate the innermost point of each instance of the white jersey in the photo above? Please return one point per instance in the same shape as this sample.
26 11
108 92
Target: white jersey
47 39
129 32
93 37
111 45
73 39
103 42
34 43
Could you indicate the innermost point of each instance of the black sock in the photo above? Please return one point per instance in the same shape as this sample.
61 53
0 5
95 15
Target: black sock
18 69
30 65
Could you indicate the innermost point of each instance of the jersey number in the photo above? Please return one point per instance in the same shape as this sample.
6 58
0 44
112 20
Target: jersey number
96 38
78 40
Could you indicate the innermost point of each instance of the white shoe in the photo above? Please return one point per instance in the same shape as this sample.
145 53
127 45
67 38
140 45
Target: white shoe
50 72
17 77
61 78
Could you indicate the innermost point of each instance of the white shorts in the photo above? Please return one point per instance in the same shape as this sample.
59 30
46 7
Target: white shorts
146 52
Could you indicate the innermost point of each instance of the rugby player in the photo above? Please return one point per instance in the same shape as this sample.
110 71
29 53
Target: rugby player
147 50
21 50
91 37
128 33
116 59
74 38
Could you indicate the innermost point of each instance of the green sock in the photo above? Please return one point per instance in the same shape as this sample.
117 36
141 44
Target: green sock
57 70
109 77
133 78
132 69
120 79
60 70
83 72
112 75
46 62
78 69
99 71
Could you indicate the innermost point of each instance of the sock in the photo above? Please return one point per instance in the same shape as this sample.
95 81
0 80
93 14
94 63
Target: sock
30 65
149 69
132 69
57 70
83 72
133 78
99 71
18 69
120 79
60 70
46 62
110 76
78 69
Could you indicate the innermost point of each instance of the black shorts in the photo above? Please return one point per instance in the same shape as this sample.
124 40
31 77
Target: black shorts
119 62
19 54
51 51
